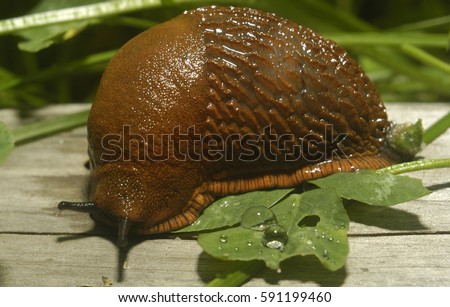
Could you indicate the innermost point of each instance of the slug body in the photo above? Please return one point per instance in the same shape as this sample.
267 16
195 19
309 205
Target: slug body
224 101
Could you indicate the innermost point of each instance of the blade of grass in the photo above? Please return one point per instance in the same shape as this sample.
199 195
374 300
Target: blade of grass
390 39
97 10
344 20
139 23
58 71
435 130
27 133
424 24
425 57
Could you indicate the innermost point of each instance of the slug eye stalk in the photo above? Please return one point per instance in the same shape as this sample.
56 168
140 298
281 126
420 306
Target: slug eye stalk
87 207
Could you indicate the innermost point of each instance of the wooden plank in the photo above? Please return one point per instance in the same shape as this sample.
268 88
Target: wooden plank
66 260
404 245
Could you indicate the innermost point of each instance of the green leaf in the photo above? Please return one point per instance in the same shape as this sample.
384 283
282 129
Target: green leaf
6 142
228 211
45 36
316 224
370 187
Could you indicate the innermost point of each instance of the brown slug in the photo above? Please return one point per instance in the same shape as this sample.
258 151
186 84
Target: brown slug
222 101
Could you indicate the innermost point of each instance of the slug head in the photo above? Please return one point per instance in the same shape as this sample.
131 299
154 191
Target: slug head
134 197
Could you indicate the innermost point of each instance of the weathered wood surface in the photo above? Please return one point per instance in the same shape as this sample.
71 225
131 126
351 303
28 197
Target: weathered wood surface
406 245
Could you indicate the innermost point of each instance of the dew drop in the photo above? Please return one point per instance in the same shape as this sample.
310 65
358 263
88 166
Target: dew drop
309 241
325 253
316 233
330 239
223 239
275 236
258 218
249 243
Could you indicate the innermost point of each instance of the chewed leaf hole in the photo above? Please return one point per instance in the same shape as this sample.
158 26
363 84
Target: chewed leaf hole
309 221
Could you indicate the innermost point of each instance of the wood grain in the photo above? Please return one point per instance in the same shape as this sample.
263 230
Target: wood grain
405 245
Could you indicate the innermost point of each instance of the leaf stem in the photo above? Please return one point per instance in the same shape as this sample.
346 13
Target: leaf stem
26 133
415 166
239 276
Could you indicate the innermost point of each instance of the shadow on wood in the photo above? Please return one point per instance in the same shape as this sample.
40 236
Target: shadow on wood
299 269
383 217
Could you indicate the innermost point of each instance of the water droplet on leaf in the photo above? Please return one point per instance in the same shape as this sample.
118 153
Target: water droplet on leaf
223 239
275 236
258 218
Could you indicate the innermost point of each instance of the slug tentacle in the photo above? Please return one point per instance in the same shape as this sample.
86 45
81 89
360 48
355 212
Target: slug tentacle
225 100
87 207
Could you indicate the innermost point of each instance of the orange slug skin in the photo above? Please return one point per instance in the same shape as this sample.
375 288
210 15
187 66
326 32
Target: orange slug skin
207 80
